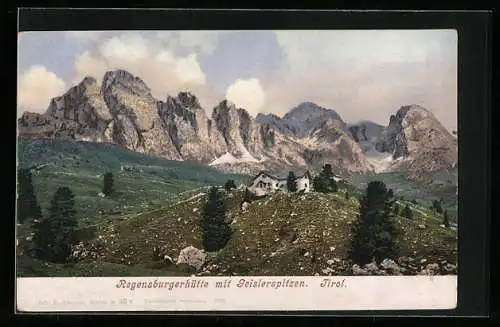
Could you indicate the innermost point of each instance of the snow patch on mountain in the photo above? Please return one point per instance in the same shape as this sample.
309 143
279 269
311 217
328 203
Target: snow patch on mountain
380 161
228 158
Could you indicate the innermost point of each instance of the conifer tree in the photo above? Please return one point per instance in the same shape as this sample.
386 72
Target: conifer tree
374 233
437 206
324 182
328 177
230 184
27 204
396 209
54 235
333 187
319 184
216 230
248 196
291 183
446 219
108 183
407 212
391 193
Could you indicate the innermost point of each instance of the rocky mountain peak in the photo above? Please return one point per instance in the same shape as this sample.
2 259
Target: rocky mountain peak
84 105
87 87
128 96
179 107
225 105
414 113
188 127
235 125
224 114
306 117
88 81
226 110
189 100
123 111
270 119
123 79
415 134
309 110
270 115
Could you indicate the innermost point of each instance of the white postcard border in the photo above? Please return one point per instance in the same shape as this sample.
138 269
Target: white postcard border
236 293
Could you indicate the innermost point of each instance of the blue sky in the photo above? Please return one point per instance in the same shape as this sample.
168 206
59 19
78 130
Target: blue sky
363 75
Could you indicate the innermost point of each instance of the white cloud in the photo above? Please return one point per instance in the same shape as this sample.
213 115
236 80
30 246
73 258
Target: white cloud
86 65
162 70
168 61
247 94
125 48
36 87
189 71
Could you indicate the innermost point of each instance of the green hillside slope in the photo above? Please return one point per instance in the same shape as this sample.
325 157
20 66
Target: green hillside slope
281 234
150 183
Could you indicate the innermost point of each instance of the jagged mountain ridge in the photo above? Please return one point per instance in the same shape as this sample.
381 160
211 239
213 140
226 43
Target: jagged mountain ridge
123 111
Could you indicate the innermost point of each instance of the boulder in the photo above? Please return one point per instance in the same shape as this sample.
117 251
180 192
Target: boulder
244 206
403 260
391 266
450 268
192 256
167 259
430 269
357 270
78 251
371 267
